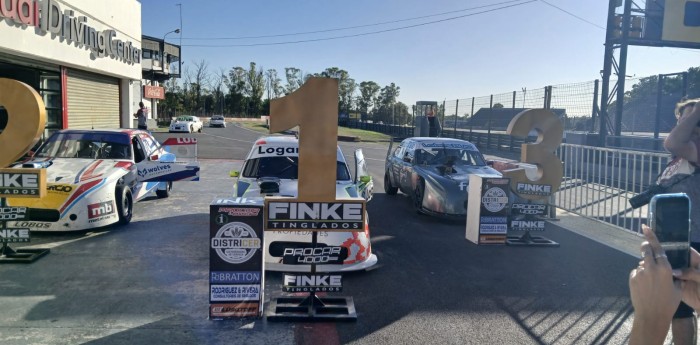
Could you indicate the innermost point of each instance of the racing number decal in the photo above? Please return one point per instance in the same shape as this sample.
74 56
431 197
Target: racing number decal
312 108
26 119
541 153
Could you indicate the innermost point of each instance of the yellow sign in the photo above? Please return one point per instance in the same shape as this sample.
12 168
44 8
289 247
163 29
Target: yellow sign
550 169
681 21
314 108
25 123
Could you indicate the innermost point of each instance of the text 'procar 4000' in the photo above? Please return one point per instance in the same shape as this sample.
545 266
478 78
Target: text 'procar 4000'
273 161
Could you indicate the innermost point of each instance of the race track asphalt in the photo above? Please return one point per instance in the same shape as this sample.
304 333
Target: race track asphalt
146 283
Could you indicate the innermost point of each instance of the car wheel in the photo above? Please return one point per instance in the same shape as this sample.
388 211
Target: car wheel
418 194
199 130
125 204
388 188
191 129
165 192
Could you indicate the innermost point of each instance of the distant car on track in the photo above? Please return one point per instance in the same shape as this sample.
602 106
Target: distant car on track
275 159
187 124
217 121
94 177
434 172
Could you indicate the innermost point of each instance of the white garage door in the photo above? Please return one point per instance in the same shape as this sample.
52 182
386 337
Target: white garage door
93 100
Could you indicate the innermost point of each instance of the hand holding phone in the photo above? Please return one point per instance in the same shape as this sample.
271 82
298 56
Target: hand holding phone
669 216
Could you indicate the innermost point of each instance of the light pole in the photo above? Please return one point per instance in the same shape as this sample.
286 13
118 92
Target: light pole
154 104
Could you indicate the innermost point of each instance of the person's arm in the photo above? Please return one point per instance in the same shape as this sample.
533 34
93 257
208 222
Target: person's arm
653 292
679 141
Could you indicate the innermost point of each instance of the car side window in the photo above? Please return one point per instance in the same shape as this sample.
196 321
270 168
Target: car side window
398 153
139 154
149 143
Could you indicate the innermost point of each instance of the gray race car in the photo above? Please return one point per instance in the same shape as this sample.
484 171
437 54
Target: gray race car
435 173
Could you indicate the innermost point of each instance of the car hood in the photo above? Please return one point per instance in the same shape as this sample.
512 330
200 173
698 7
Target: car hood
78 170
461 173
250 187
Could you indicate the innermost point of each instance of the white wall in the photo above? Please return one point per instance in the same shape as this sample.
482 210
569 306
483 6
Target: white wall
123 16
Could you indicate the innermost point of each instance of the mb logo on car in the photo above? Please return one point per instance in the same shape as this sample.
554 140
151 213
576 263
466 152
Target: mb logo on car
313 283
315 215
100 211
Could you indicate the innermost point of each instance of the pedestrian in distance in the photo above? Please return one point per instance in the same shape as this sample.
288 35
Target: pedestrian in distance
141 116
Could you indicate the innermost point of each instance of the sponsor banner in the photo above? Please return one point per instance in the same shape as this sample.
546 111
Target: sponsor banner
22 183
492 239
233 293
229 310
182 148
13 213
14 235
530 223
495 196
533 189
223 277
236 260
493 228
312 283
528 209
303 254
327 216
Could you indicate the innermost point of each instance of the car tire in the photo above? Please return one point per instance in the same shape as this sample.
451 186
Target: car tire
388 188
125 204
191 129
199 130
418 195
162 194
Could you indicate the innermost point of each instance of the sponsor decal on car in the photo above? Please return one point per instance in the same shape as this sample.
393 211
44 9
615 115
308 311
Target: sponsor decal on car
33 225
466 146
277 150
100 211
220 293
236 242
312 283
59 188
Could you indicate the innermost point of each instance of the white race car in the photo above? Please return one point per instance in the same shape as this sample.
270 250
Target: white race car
187 124
275 158
95 176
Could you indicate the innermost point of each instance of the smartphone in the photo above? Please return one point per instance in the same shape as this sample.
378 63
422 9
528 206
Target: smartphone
669 216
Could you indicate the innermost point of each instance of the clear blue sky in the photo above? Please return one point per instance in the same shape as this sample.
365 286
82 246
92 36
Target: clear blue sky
530 45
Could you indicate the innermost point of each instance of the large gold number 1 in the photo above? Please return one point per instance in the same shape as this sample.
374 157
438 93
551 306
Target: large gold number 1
313 108
541 153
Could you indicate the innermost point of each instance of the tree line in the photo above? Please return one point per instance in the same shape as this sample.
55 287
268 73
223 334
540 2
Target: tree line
247 91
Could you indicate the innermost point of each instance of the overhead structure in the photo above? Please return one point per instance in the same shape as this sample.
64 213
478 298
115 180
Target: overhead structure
661 23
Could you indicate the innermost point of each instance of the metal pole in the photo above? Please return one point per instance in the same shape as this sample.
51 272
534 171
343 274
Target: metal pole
622 70
513 99
471 115
488 137
607 69
657 120
594 111
456 112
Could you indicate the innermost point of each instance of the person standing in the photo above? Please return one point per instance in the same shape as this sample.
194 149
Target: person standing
682 175
141 116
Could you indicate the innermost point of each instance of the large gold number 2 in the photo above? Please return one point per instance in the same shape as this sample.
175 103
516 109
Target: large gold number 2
313 108
541 153
26 120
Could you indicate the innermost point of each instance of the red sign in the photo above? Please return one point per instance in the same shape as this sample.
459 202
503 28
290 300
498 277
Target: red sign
156 92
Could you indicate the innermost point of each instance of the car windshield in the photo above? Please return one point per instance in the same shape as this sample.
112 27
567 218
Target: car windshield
284 168
217 118
86 145
184 118
439 155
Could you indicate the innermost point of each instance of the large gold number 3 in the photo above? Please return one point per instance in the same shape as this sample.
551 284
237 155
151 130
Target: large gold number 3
26 120
541 153
313 108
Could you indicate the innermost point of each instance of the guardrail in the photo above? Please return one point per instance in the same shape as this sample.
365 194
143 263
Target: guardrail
598 182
